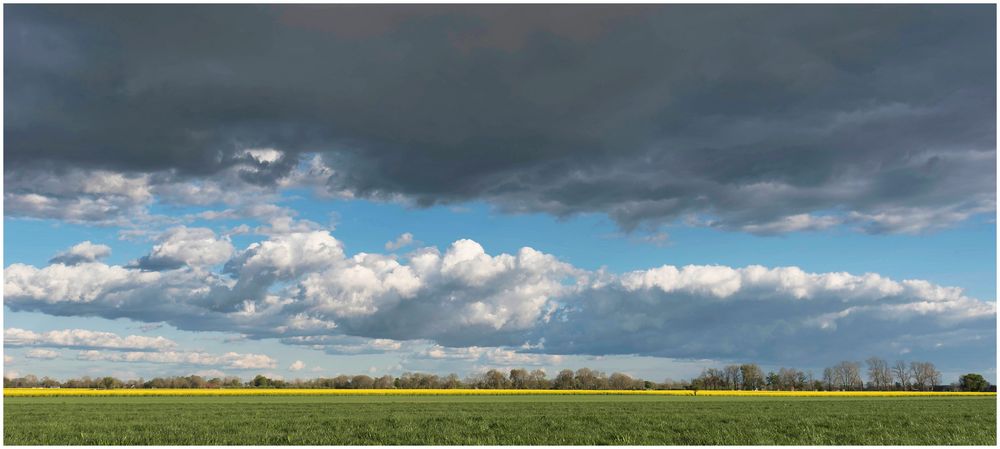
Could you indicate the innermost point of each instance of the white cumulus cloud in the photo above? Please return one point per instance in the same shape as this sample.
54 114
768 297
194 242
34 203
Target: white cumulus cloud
82 252
44 354
82 338
405 239
183 246
231 360
303 288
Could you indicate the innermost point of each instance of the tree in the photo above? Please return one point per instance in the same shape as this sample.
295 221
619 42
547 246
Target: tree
731 377
792 379
902 373
519 378
537 380
879 374
418 380
773 381
852 375
588 379
710 379
260 381
829 379
753 377
362 382
670 384
564 380
384 382
196 382
621 381
925 375
802 380
494 379
843 376
973 382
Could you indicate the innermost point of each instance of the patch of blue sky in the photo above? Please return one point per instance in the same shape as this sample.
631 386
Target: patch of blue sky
962 256
35 241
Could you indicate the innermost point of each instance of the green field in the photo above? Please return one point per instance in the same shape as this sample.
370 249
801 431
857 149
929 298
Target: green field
552 420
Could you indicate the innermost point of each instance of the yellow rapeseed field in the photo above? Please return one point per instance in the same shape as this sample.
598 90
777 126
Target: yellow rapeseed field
28 392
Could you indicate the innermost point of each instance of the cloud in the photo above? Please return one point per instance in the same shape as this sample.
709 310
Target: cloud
183 246
303 289
230 360
489 356
150 327
779 314
368 346
109 198
297 365
793 223
287 225
43 354
915 221
839 111
343 344
84 339
405 239
259 211
76 196
82 252
210 373
658 239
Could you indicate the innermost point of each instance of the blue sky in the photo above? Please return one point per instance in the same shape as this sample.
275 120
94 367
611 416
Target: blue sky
653 189
962 256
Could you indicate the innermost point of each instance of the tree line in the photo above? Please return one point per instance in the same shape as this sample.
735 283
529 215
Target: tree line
844 376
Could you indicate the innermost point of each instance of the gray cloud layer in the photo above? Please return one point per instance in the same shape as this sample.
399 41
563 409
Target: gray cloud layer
766 119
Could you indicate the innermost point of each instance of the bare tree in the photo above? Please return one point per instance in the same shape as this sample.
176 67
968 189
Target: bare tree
845 376
495 379
537 380
452 381
518 378
791 379
383 382
731 377
588 379
879 373
362 382
564 380
710 379
852 374
620 381
902 373
829 379
924 375
752 376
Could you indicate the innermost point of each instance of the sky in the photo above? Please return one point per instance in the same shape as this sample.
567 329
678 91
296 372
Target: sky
307 191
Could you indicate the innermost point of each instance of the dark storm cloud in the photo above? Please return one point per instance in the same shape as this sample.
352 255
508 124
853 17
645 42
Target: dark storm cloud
764 119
